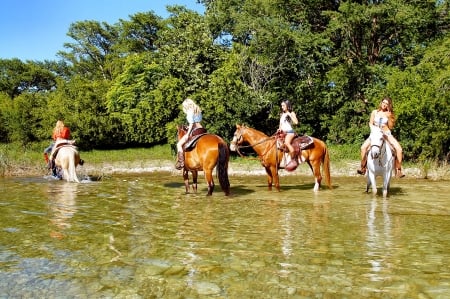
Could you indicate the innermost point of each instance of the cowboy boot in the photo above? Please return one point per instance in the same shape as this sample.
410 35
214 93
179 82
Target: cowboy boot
398 169
362 170
52 166
292 165
46 158
180 162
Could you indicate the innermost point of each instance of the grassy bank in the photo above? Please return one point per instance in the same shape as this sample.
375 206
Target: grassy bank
17 160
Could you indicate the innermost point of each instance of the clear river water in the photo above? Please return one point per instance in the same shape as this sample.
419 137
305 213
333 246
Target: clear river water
141 236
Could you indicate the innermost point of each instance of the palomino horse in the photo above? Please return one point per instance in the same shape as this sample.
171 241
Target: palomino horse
67 159
208 152
270 156
380 161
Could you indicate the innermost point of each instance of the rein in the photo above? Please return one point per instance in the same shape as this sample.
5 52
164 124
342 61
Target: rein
252 145
382 154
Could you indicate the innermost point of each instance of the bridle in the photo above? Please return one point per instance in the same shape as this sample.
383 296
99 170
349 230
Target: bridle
239 140
381 154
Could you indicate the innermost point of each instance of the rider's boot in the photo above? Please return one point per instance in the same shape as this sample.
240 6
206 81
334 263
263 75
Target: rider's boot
292 165
398 169
46 158
180 162
52 166
362 170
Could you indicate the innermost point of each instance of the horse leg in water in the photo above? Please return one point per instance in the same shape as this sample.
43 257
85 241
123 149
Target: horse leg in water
371 183
194 180
386 183
315 168
272 177
210 181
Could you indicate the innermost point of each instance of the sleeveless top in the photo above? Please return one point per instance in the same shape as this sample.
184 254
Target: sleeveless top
380 121
285 124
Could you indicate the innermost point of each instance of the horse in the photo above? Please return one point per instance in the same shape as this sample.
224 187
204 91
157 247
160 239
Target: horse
380 161
270 155
66 161
208 152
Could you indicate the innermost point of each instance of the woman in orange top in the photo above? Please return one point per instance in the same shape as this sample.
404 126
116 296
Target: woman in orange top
60 132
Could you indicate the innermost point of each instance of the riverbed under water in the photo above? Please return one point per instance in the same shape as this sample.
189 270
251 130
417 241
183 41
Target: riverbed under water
141 236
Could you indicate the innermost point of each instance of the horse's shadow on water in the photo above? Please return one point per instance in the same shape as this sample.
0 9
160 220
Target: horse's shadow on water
307 187
391 192
235 190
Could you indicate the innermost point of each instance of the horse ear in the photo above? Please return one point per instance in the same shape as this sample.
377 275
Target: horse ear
237 126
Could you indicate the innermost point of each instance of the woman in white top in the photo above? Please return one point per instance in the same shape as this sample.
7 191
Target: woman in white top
288 118
384 118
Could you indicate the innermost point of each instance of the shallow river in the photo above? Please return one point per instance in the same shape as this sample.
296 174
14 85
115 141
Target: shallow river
141 236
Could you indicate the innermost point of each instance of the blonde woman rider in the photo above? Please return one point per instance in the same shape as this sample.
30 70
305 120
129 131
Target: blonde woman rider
194 118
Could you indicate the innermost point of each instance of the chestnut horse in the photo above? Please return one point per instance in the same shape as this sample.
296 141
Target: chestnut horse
270 155
66 161
208 152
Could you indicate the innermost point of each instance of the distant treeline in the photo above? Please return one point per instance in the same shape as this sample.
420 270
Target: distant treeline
121 85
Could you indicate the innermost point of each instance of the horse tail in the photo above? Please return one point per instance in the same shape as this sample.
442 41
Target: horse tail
222 168
326 166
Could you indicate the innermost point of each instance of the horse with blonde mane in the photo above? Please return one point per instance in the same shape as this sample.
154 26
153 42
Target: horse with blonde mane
271 156
66 160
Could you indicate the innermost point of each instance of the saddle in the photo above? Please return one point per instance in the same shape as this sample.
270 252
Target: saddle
59 144
193 138
299 143
394 152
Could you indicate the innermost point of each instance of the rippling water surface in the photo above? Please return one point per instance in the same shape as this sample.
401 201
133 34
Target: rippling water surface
140 236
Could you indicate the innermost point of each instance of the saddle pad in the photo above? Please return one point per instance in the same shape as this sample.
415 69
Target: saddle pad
190 144
304 141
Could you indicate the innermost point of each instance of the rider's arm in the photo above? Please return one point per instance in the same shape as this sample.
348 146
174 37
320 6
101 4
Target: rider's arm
293 118
189 130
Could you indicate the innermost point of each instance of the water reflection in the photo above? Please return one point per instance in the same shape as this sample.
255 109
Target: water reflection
62 207
143 237
379 240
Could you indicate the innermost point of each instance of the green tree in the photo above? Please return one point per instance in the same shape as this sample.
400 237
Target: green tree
92 53
422 97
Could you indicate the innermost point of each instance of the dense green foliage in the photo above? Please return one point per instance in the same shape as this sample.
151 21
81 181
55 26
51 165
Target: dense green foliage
121 85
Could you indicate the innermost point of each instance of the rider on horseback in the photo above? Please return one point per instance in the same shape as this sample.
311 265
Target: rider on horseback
60 135
193 117
288 118
383 117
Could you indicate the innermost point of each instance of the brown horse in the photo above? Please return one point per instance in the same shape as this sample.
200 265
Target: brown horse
270 155
67 160
208 152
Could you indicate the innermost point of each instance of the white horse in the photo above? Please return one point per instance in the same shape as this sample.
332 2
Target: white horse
67 160
380 161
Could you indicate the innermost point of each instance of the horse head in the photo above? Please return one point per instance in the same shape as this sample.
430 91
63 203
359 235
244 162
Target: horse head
238 138
376 141
181 131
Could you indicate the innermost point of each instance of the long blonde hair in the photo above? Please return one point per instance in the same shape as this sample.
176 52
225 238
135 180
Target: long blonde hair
58 127
190 105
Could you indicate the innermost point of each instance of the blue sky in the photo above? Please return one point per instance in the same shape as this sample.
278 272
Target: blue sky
36 29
